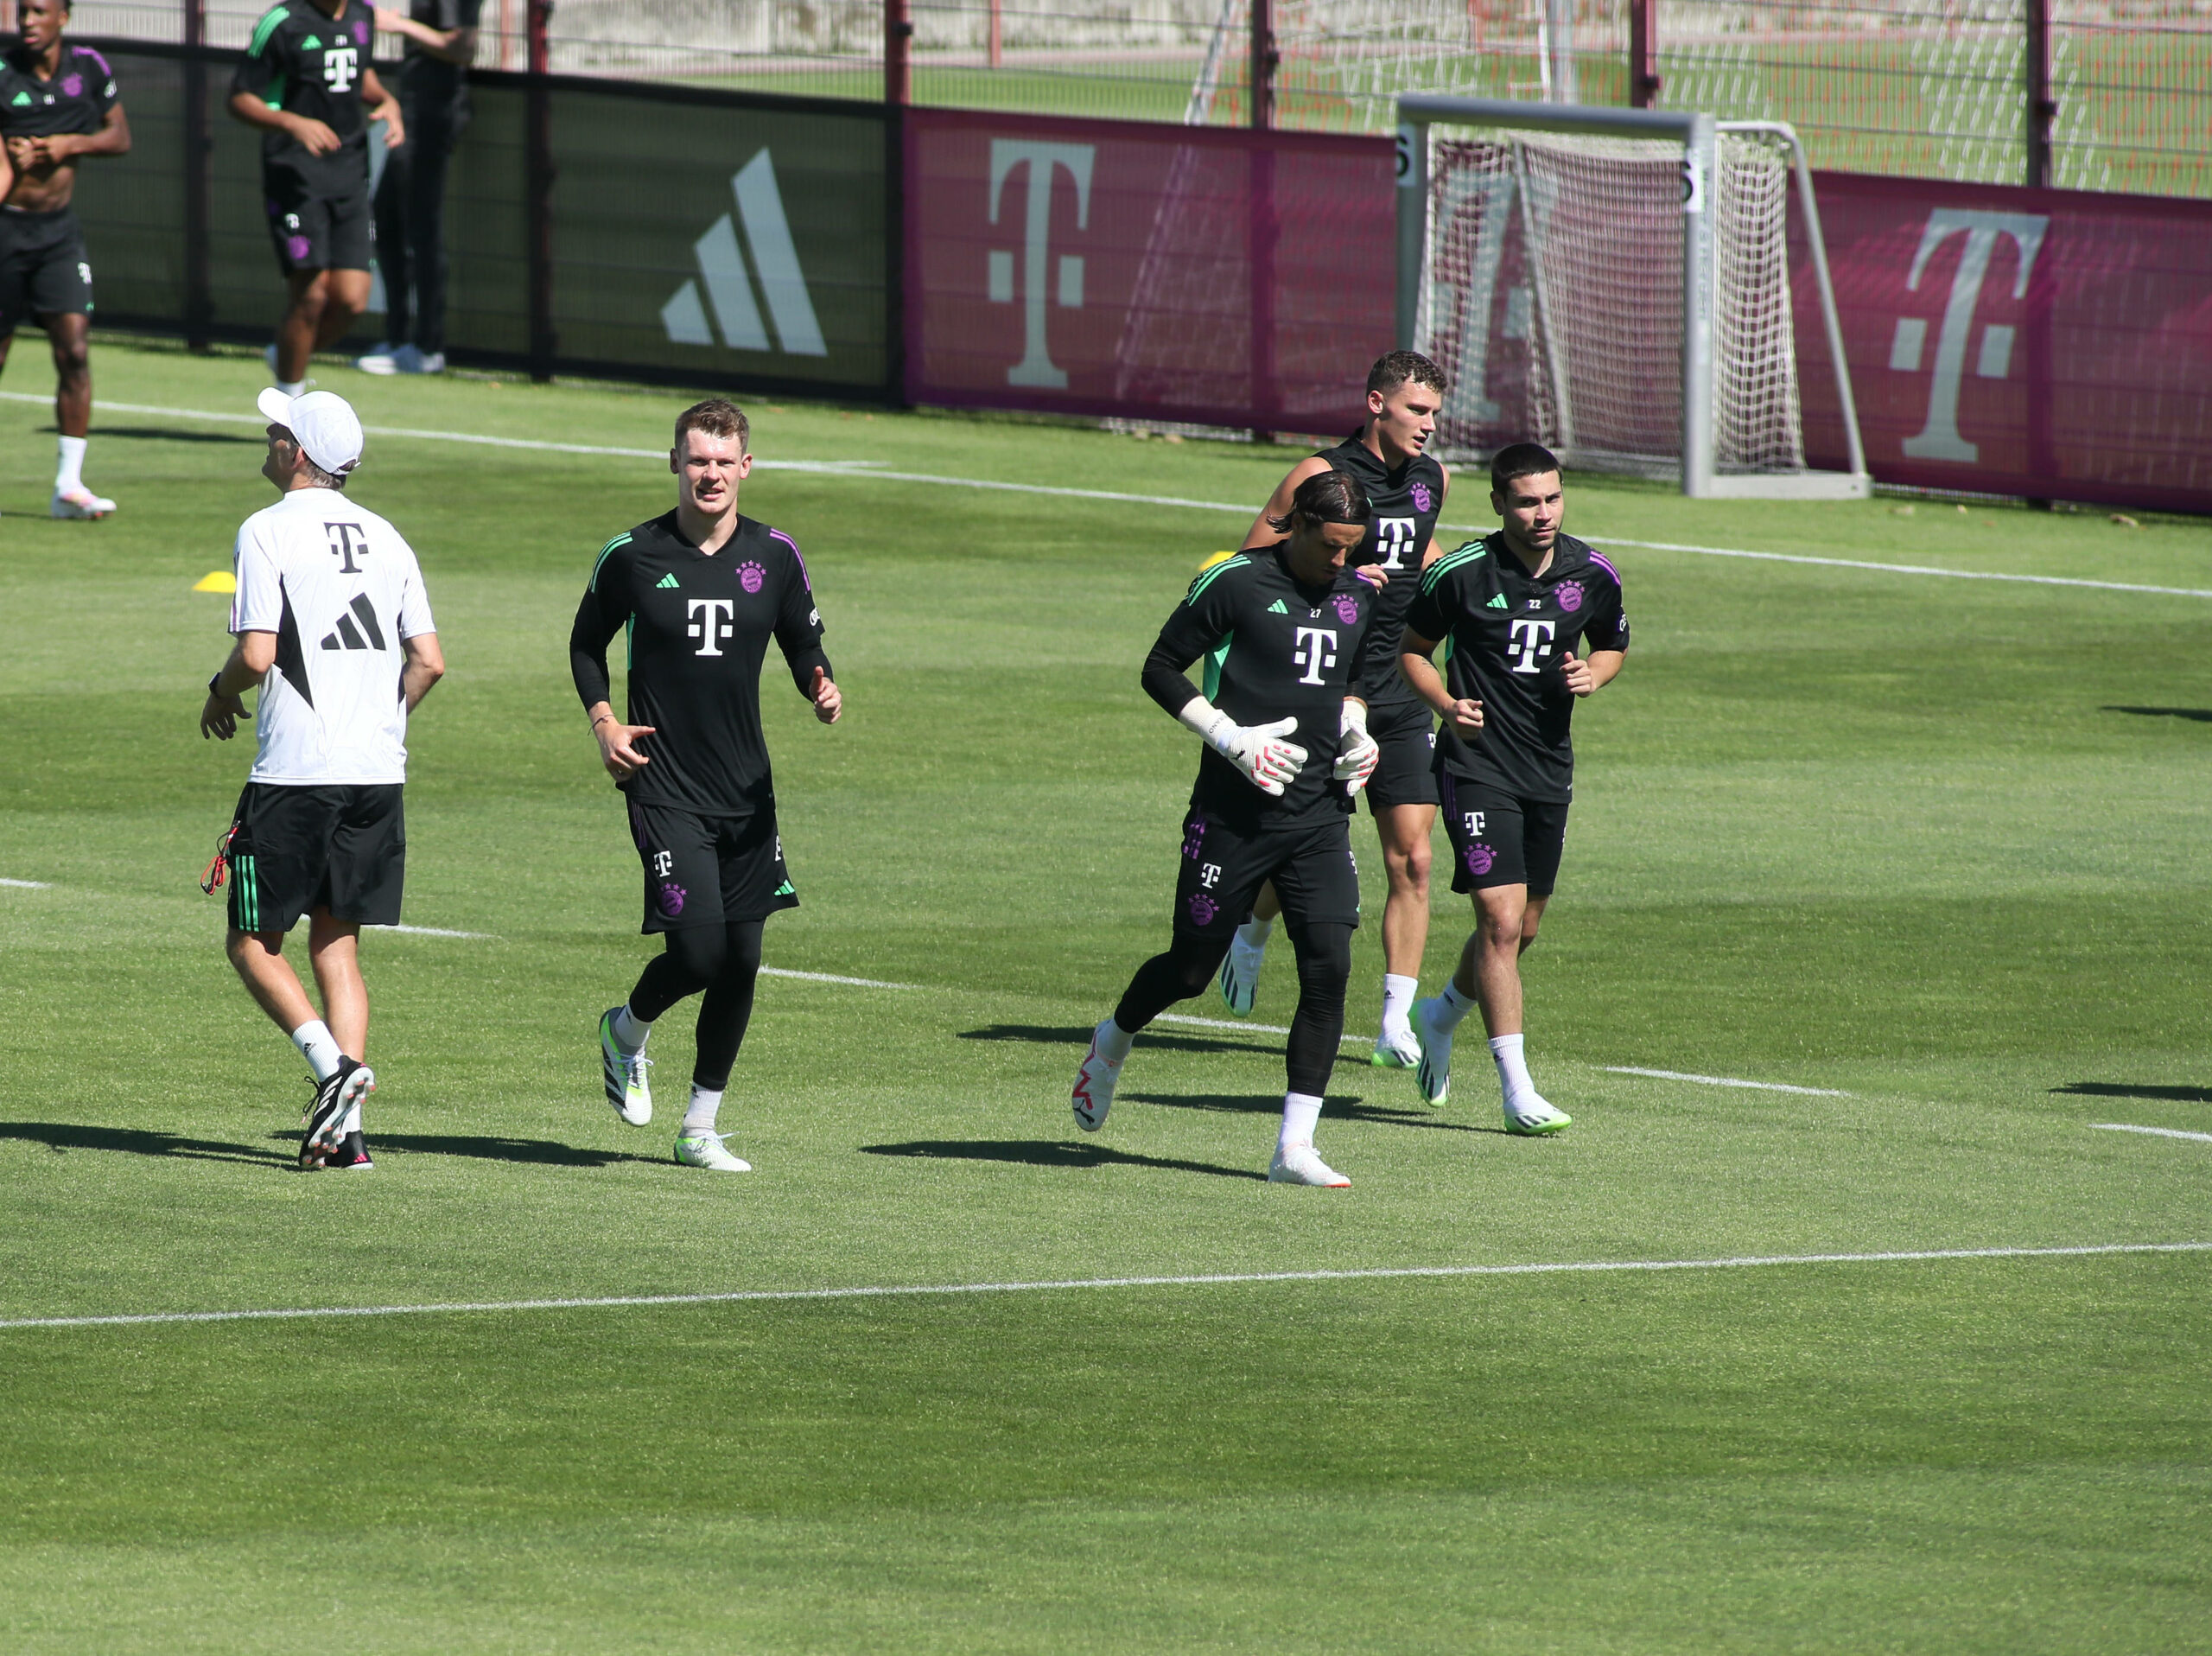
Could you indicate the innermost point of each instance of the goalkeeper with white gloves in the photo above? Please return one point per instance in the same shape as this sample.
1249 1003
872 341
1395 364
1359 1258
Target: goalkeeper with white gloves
1283 719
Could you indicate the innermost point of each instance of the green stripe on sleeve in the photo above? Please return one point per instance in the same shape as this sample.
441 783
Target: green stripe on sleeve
1451 561
1217 659
605 552
1210 576
272 21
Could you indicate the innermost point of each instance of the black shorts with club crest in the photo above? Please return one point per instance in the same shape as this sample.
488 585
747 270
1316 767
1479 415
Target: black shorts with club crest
708 871
313 231
1406 772
342 848
1222 868
1498 838
43 268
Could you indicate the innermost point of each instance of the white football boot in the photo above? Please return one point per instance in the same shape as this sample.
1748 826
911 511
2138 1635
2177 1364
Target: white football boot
1530 1116
705 1150
1433 1066
1094 1084
1239 978
1300 1164
78 502
629 1093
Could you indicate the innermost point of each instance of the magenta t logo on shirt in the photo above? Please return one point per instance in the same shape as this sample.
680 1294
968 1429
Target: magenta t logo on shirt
750 576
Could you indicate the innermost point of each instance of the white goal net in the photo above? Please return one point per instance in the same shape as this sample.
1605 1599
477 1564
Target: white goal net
1552 291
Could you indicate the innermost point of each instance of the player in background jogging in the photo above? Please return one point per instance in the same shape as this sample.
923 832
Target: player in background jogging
700 590
1389 455
334 626
306 83
1286 746
1514 606
58 105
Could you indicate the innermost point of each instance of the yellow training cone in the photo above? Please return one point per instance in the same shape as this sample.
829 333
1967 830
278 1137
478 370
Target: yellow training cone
216 580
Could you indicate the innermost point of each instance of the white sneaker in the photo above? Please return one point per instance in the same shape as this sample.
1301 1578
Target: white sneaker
1094 1084
382 360
1530 1116
1396 1048
1300 1164
629 1093
414 360
1433 1067
1239 979
705 1150
78 502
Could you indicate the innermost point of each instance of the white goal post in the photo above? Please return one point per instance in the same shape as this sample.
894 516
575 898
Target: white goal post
1650 322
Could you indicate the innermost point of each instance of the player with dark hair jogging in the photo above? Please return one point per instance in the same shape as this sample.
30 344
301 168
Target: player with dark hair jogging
1281 628
334 626
1407 487
58 105
1514 606
306 82
700 590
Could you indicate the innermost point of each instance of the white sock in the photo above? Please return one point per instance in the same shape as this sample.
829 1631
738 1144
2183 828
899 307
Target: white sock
292 388
630 1029
1450 1007
69 470
1512 1068
1253 934
319 1046
1300 1113
1398 999
1113 1042
699 1117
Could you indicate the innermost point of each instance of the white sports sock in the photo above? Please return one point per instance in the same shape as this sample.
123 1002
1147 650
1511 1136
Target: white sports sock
319 1046
630 1029
1512 1068
699 1117
1253 934
292 388
1398 999
69 470
1113 1042
1300 1113
1450 1007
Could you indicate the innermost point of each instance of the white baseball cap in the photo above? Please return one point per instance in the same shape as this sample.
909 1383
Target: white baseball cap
323 421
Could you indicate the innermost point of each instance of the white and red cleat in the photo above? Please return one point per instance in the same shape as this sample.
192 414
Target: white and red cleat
1094 1084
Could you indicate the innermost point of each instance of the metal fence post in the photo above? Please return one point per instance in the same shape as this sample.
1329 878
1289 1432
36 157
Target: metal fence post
1262 72
897 53
198 157
544 345
1644 80
2042 109
1261 230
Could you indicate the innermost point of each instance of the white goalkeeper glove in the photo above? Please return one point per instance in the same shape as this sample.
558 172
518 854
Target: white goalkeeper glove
1357 751
1268 763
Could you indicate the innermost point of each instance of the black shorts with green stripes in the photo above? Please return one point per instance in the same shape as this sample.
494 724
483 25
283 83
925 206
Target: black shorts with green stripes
293 849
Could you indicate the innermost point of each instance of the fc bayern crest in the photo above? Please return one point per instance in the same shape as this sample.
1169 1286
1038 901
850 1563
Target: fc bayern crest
1422 499
1347 609
1570 596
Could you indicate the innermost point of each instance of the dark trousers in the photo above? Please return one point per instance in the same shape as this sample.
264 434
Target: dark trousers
410 210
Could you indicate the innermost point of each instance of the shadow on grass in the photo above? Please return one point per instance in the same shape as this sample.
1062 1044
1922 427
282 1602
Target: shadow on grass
2132 1090
62 1137
155 434
2200 715
1044 1036
538 1152
1048 1153
1257 1104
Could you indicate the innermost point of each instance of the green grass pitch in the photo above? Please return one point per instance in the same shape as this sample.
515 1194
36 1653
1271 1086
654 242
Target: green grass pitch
1937 846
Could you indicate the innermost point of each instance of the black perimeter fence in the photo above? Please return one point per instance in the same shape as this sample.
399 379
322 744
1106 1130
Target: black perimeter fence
593 227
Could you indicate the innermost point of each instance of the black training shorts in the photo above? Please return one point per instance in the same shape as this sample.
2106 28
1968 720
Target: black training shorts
1222 869
1500 840
343 849
1406 774
43 270
709 871
314 231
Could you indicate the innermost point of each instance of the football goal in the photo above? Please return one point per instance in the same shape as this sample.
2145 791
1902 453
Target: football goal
1615 284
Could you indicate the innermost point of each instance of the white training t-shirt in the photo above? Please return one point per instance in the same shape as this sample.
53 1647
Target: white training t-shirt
341 589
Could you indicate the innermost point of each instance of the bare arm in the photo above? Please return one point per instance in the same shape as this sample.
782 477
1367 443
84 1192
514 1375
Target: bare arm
312 136
383 106
1465 716
426 665
112 139
1583 677
250 660
456 46
1262 533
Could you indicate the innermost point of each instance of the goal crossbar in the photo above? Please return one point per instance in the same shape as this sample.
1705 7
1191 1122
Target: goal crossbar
1698 134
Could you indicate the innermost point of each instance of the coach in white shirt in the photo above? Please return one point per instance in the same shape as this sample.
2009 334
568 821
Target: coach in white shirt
334 626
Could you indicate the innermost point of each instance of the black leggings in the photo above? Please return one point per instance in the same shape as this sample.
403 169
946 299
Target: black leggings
723 960
1324 971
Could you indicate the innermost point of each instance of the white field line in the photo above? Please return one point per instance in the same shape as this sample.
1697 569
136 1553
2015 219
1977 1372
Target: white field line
1727 1080
874 469
1210 1280
831 978
2163 1132
29 885
434 931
